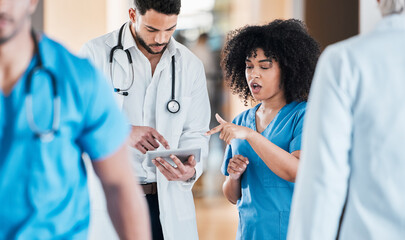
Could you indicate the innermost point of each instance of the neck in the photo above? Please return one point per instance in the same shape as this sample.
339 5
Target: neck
12 65
274 104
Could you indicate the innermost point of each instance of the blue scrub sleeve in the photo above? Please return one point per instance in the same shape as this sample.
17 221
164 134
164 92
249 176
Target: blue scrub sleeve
106 129
227 157
295 143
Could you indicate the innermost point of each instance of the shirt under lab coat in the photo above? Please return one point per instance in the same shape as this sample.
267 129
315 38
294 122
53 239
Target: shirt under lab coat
353 141
145 105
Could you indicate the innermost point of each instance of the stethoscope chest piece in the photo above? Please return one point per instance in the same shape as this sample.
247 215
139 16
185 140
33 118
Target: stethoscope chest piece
173 106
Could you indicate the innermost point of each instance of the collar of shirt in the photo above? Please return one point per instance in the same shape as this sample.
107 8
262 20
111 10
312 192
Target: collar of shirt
393 21
129 42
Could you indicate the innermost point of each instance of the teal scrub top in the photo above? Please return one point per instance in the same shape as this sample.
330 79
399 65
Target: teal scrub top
44 184
264 207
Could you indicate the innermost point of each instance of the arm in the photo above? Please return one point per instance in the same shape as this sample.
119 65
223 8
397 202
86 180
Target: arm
125 203
322 179
281 162
232 185
232 189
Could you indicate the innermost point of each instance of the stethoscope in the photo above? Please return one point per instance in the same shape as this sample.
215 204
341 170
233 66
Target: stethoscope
46 135
173 106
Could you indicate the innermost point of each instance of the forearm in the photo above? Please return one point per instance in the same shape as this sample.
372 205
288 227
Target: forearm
125 202
232 189
128 212
281 162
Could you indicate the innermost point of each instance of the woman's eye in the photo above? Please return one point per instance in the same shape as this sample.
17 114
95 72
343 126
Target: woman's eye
249 67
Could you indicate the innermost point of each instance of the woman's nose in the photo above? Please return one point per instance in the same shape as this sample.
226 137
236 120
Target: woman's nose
254 74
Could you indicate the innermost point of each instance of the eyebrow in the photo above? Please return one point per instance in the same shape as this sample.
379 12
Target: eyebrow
264 60
155 29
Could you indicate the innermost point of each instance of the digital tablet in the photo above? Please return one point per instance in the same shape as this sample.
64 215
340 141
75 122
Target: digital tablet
181 154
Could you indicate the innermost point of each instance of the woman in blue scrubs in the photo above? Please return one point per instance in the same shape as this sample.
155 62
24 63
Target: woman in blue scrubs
273 65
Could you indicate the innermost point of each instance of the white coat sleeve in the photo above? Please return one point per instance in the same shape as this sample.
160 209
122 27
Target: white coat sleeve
197 122
322 178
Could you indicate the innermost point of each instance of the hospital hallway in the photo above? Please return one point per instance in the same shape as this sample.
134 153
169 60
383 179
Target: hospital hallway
217 219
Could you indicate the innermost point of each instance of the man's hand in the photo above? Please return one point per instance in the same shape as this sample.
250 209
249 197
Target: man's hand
146 139
182 172
237 166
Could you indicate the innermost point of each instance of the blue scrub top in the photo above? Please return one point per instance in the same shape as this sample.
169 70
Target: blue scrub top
44 184
264 207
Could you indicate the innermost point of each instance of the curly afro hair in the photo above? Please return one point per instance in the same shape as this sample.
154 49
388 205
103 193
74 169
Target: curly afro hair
285 41
167 7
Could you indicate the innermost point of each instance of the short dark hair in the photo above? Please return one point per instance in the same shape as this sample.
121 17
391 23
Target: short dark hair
285 41
167 7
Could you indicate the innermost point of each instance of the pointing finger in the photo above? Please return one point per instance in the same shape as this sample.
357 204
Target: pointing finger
214 130
219 119
161 139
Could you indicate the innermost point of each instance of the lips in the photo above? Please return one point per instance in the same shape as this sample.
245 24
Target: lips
255 87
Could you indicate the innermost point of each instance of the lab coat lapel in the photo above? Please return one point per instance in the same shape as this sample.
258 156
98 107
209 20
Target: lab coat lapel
162 97
121 59
163 122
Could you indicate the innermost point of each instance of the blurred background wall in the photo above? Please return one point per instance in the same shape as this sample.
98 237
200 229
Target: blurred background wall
202 27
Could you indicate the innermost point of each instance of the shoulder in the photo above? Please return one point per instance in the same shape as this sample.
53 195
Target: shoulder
296 111
99 45
347 50
299 108
245 116
102 40
66 65
187 57
57 56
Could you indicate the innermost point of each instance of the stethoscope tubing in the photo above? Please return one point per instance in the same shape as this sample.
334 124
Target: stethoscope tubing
173 106
48 134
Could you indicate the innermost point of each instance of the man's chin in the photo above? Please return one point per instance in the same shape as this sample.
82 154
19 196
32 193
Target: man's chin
150 50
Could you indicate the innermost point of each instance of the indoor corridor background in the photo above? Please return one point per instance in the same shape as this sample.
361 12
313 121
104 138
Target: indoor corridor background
202 27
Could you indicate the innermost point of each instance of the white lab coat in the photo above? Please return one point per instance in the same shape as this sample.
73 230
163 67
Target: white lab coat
183 129
353 141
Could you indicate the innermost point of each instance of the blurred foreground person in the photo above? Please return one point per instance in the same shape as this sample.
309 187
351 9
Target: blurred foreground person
350 182
51 112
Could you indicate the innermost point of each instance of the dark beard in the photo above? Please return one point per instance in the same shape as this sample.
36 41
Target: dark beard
18 28
148 48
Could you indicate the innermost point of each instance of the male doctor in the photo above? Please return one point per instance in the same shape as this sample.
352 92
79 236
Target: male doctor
144 92
350 183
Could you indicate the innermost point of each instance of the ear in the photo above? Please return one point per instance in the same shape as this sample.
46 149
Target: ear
33 5
132 15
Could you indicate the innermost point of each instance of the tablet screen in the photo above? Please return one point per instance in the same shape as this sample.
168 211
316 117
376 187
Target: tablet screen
183 154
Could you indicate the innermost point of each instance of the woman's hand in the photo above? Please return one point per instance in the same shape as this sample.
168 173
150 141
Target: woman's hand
237 166
229 131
